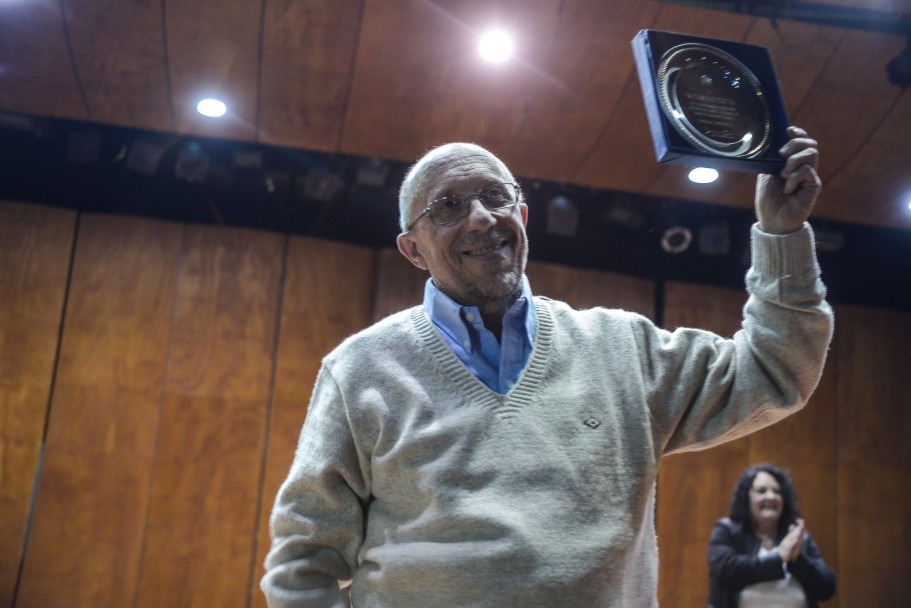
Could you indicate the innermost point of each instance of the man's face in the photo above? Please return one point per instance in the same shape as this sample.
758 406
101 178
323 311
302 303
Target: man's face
479 260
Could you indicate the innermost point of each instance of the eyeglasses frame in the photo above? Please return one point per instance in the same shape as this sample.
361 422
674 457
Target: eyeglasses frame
477 195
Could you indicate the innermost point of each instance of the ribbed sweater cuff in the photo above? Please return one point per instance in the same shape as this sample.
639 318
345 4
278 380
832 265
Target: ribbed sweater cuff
777 256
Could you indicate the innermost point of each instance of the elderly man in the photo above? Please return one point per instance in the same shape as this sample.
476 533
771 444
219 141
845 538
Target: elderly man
492 448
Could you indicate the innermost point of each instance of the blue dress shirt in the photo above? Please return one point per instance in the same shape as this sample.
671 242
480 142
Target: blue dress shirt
496 364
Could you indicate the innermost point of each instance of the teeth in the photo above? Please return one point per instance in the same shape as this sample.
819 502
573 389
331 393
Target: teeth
486 251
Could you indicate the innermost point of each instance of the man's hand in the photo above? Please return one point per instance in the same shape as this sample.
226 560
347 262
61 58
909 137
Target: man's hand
784 201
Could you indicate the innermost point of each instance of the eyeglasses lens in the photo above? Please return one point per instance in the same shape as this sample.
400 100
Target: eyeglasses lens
453 208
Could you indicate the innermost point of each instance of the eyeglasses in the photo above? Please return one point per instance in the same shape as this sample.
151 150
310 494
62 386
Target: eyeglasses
451 209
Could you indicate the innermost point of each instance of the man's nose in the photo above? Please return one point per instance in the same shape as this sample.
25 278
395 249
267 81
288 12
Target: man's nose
478 214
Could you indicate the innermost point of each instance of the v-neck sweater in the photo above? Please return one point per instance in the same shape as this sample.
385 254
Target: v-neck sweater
429 489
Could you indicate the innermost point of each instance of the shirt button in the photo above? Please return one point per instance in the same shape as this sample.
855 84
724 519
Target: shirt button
470 317
467 343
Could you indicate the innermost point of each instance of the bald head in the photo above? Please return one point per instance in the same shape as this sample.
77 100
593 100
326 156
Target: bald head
430 166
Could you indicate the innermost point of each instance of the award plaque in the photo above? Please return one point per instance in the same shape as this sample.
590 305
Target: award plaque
711 103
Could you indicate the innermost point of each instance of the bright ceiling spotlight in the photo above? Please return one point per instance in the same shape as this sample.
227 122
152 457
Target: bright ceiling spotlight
211 107
703 175
495 46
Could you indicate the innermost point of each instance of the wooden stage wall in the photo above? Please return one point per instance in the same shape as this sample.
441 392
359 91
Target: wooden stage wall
154 377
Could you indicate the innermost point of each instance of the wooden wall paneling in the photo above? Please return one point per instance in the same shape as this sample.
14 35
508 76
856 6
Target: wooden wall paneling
213 50
470 103
694 488
327 296
430 70
308 59
92 498
583 288
577 87
617 161
847 146
874 477
404 68
883 152
38 76
205 492
35 249
399 283
122 71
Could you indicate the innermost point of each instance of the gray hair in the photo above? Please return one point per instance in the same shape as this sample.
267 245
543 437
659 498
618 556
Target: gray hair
420 174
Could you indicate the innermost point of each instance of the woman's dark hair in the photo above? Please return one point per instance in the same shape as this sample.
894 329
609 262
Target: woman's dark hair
740 501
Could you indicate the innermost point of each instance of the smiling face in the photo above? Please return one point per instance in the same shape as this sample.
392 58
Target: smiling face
479 260
766 502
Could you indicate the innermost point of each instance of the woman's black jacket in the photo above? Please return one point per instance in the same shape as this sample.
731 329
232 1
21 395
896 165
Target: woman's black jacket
734 564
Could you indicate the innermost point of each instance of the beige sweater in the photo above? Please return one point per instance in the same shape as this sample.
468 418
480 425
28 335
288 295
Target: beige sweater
426 489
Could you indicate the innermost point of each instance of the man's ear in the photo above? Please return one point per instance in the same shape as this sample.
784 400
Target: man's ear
409 248
523 209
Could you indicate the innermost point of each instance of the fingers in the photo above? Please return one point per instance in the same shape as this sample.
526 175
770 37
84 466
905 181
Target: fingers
792 542
799 135
803 176
796 132
798 525
802 159
799 530
796 530
800 149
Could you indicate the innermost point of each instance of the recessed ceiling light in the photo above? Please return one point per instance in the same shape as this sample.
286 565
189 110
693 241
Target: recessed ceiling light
211 107
495 46
703 175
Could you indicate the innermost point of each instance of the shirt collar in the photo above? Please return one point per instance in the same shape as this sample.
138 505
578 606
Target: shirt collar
449 315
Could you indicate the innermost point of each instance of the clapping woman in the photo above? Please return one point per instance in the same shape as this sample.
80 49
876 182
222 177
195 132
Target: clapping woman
762 554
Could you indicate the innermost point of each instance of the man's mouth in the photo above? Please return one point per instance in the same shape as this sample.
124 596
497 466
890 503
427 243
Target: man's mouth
486 250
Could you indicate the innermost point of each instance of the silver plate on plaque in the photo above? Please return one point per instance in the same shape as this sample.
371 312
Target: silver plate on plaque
713 100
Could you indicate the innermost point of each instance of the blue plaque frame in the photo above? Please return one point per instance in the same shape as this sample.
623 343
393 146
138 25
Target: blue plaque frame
670 146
